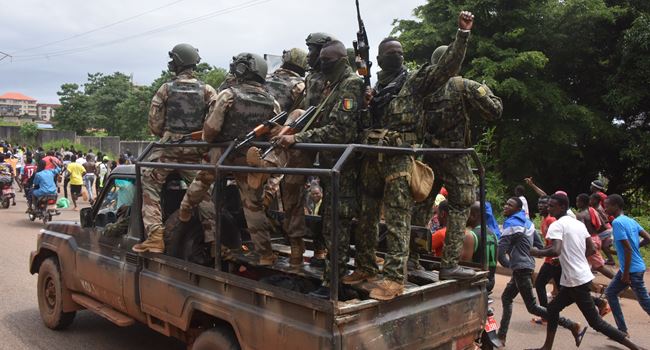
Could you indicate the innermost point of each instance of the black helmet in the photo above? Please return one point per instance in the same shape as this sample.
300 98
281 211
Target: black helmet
249 66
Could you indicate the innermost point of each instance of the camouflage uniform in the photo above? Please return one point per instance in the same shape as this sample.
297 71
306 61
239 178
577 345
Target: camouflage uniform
178 108
287 87
293 186
385 178
447 125
237 110
338 122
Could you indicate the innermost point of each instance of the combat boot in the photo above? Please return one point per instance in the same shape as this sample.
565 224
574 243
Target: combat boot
456 273
267 256
297 250
358 276
153 244
256 180
387 289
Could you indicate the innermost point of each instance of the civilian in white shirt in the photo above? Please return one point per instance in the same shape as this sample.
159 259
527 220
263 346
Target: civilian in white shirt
572 243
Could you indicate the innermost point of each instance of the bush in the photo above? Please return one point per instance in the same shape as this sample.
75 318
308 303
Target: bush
28 132
64 143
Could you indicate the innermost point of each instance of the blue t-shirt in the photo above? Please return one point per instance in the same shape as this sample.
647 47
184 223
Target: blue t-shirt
625 228
45 181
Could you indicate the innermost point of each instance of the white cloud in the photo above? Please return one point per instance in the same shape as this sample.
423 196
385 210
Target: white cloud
265 27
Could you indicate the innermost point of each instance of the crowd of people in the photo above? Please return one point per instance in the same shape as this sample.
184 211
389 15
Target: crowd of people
38 173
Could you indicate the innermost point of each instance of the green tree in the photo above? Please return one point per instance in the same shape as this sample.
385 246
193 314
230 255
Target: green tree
73 113
28 131
553 63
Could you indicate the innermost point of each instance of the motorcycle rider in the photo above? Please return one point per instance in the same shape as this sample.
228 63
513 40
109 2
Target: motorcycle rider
6 174
44 182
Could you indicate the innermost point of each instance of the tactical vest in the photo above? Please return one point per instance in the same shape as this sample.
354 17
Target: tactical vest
446 122
251 106
314 86
185 107
383 96
280 85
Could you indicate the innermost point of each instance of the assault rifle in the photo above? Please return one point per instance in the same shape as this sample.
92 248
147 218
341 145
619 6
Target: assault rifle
362 50
294 127
262 129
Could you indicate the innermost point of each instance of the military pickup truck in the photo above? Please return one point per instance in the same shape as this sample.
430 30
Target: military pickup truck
226 301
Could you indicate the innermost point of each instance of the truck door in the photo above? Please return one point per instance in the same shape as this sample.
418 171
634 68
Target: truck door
100 257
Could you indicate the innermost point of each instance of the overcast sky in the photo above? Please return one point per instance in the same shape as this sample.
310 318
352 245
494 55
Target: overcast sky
148 29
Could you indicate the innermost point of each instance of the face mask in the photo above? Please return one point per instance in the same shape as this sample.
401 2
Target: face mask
171 66
391 62
327 66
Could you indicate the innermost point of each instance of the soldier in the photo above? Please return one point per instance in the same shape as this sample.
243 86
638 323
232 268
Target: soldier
293 186
386 177
178 108
337 122
238 109
446 125
287 83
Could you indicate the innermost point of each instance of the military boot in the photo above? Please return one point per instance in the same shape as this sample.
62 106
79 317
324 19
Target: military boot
256 180
267 256
358 276
153 244
297 250
387 289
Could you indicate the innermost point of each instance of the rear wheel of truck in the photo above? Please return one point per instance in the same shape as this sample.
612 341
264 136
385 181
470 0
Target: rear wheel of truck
50 296
216 339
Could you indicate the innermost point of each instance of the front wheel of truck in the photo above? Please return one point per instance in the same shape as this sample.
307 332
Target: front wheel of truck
50 296
216 339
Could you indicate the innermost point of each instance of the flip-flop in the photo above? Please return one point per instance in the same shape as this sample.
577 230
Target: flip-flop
580 336
538 320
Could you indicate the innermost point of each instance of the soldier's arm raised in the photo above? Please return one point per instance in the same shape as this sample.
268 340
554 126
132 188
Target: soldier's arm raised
451 61
214 122
157 111
481 98
342 121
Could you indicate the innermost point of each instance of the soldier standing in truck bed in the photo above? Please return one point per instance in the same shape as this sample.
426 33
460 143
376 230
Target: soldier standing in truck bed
337 122
179 107
238 109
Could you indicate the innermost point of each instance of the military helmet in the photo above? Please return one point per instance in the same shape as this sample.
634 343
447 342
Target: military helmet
250 66
296 57
437 53
318 39
184 55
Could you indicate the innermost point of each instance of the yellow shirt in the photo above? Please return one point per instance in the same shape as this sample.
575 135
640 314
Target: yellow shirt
76 171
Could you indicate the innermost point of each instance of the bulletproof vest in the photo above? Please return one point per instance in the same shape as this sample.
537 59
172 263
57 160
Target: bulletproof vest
185 107
403 112
279 85
446 122
251 106
314 86
383 96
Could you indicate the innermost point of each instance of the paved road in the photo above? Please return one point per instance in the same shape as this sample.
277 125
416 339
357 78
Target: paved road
21 327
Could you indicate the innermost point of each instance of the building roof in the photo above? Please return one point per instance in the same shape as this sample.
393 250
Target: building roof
16 96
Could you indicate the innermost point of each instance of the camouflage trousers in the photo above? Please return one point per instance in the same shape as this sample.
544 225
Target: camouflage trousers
293 196
382 185
257 222
455 172
348 209
154 179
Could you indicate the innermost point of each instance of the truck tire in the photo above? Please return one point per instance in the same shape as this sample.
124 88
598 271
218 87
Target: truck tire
50 296
216 339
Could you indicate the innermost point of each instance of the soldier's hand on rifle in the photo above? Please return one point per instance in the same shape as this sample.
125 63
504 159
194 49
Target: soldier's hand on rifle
465 20
275 130
284 141
367 96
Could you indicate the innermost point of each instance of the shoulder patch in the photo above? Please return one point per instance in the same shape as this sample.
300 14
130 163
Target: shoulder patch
481 91
348 104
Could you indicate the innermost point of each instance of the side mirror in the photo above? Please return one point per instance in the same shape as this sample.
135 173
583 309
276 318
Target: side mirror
86 217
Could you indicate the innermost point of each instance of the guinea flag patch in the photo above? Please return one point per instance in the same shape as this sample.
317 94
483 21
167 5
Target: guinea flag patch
348 104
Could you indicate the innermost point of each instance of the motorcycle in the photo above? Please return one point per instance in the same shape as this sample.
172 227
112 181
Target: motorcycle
44 209
489 339
8 195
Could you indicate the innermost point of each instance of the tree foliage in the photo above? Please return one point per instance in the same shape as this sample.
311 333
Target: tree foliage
573 78
112 103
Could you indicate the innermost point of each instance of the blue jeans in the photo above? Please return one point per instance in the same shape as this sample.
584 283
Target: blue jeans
616 287
88 182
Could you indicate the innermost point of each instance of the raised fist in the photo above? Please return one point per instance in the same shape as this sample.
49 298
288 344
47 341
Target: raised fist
465 20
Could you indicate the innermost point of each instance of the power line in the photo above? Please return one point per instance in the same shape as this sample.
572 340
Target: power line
245 5
99 28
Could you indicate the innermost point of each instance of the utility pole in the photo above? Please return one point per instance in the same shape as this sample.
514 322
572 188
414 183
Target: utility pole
4 55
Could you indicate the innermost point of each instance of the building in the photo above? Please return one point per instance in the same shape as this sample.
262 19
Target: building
46 111
15 104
